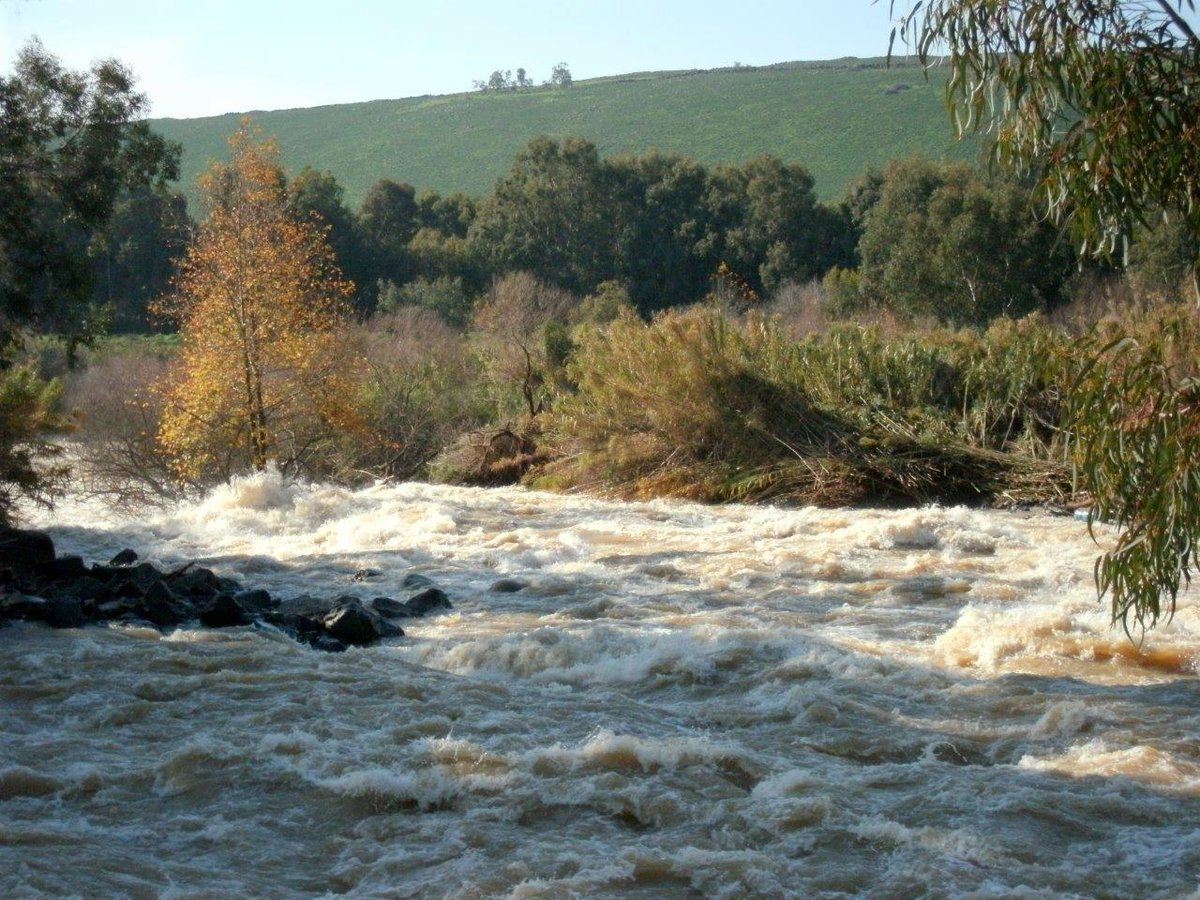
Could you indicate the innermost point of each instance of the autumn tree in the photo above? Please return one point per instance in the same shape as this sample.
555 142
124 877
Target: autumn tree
258 300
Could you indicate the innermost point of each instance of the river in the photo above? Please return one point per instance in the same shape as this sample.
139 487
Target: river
685 701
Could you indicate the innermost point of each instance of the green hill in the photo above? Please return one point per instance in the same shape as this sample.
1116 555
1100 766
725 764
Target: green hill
835 118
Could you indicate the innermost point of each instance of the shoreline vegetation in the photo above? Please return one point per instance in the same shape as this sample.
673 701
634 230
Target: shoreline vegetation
705 403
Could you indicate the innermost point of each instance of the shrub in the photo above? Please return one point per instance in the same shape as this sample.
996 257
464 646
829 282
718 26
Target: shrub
115 401
28 410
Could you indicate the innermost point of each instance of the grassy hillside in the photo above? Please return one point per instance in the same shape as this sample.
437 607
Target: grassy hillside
835 118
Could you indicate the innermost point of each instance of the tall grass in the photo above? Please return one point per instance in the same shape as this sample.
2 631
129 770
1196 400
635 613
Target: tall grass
699 404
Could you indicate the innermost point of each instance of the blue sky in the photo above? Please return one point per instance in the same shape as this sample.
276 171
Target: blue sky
206 57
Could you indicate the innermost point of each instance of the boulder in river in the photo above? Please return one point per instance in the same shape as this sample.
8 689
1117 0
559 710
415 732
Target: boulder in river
427 601
351 623
23 551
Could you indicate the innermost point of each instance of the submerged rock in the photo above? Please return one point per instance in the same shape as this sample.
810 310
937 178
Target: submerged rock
508 586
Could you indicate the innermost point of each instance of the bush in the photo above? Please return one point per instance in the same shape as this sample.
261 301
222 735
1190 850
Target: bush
28 410
119 409
697 405
419 389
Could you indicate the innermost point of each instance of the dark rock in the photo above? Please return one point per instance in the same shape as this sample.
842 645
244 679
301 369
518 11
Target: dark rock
416 580
85 588
121 608
64 612
364 574
257 599
351 623
388 629
224 611
195 583
508 586
304 605
23 550
67 567
162 608
126 557
321 640
122 590
392 609
427 601
22 606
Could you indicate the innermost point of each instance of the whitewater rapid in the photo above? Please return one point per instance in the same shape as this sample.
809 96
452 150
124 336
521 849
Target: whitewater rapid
684 701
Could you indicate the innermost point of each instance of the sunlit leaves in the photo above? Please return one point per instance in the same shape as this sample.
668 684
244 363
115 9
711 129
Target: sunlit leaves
258 299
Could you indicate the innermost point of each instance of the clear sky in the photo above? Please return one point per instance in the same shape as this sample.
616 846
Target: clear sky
206 57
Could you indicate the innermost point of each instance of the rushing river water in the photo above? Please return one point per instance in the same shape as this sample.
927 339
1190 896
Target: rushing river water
685 701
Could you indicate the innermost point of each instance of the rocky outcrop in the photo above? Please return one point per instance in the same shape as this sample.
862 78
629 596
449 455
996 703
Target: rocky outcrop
64 592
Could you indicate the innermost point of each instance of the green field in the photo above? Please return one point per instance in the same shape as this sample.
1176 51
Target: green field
835 118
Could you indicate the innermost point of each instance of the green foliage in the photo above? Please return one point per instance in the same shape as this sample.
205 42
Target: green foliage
1098 98
27 412
1163 262
70 143
696 404
836 118
1134 411
447 297
135 254
941 241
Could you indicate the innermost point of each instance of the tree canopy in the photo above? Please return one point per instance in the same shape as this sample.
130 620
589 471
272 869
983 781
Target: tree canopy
70 144
1099 99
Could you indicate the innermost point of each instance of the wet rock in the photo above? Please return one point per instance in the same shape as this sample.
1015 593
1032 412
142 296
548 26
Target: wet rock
225 611
392 609
321 640
196 583
351 623
22 550
415 580
508 586
257 599
388 629
16 605
366 574
87 589
64 612
67 567
427 601
126 557
162 608
306 606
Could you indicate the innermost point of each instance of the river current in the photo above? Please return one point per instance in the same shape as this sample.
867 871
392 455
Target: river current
684 701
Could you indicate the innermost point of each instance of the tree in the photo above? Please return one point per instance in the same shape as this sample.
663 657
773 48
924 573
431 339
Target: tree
387 220
70 144
767 225
560 76
319 196
553 216
258 299
1100 99
135 254
941 241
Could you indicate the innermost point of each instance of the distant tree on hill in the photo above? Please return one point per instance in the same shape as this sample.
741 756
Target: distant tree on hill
560 76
